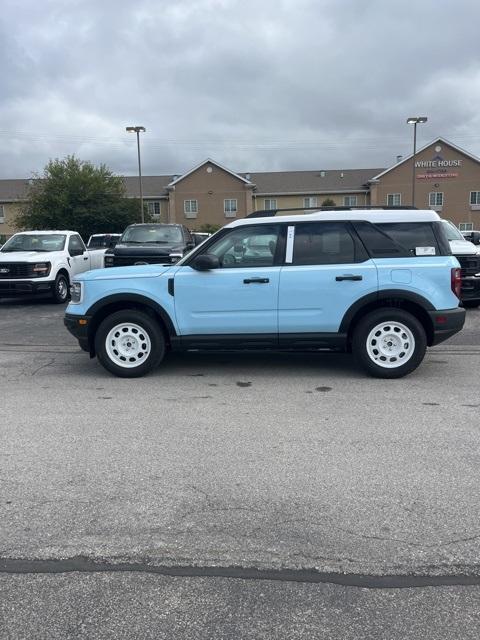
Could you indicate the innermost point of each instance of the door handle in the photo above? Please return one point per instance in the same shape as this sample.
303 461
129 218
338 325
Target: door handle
86 258
256 281
348 276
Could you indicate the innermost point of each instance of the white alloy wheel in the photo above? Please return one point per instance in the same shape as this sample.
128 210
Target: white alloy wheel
390 344
128 345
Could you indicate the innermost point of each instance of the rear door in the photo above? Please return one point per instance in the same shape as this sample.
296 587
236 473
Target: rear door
326 271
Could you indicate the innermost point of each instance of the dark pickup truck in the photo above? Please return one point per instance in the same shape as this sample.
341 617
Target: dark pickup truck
150 244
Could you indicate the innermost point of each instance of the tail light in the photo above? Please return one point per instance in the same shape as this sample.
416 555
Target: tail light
456 282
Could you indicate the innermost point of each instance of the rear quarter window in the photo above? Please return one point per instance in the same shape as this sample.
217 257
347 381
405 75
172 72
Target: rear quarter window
398 239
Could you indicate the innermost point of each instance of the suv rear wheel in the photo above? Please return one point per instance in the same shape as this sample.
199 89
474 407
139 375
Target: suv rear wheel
389 343
129 343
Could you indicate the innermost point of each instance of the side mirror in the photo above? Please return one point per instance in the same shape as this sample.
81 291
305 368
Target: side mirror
206 262
76 252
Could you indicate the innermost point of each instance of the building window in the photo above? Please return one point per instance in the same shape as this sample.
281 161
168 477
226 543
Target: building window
2 213
435 199
350 201
270 204
466 226
310 201
154 208
230 207
394 199
190 208
474 198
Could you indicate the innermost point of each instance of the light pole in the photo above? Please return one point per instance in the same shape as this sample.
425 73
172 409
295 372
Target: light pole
415 120
137 130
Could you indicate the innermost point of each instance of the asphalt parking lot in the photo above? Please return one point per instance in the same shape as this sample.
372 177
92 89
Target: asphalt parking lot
236 496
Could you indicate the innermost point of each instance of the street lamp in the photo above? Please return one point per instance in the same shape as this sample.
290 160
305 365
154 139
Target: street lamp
415 120
137 130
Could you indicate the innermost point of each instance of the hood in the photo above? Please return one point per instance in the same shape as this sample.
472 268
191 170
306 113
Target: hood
119 273
147 249
463 248
29 256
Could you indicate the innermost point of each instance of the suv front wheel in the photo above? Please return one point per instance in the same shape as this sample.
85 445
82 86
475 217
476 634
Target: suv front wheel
129 343
389 343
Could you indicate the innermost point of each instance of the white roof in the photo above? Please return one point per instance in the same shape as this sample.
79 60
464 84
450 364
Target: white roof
370 215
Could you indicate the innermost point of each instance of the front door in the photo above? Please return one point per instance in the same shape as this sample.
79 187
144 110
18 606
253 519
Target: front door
239 297
79 262
326 271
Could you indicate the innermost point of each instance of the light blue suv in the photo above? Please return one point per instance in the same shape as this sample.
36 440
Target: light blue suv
379 283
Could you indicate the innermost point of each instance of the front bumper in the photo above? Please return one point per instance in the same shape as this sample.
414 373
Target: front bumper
10 288
446 323
470 291
78 327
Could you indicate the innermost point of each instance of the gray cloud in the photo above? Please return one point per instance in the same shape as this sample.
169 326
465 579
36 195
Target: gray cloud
255 84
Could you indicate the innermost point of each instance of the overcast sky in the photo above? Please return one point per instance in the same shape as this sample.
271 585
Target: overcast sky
257 85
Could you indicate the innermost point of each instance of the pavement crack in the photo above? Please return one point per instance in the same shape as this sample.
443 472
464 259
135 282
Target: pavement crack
43 366
82 564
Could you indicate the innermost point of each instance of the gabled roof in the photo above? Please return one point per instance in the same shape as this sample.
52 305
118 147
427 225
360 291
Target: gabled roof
436 141
312 182
209 161
153 186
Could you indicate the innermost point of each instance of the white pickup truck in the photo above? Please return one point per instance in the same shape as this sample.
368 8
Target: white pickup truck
44 262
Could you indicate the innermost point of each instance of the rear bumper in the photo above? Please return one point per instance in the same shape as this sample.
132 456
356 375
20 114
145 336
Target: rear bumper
446 323
24 287
78 327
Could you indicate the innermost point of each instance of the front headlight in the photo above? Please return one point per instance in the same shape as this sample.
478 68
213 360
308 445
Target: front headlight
41 269
176 256
76 291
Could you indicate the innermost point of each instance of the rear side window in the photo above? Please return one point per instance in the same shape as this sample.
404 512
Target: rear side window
398 239
324 243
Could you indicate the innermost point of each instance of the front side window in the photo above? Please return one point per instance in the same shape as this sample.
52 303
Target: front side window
247 247
35 242
270 203
465 226
350 201
323 243
76 244
435 199
230 207
154 208
394 200
190 208
475 197
310 201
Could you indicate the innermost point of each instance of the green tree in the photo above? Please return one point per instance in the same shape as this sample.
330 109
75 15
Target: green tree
328 202
73 194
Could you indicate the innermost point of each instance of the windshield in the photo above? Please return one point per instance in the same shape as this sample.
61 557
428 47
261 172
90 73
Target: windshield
452 232
34 242
161 234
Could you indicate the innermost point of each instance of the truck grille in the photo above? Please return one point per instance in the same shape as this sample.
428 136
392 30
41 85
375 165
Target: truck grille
9 270
124 261
470 265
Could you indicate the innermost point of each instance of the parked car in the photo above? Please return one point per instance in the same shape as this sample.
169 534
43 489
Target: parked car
103 240
468 254
472 236
44 262
150 244
382 284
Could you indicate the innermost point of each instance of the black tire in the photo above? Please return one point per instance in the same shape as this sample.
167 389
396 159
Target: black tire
150 332
471 304
61 289
378 347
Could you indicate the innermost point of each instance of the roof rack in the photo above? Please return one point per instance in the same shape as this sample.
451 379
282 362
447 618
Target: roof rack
268 213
